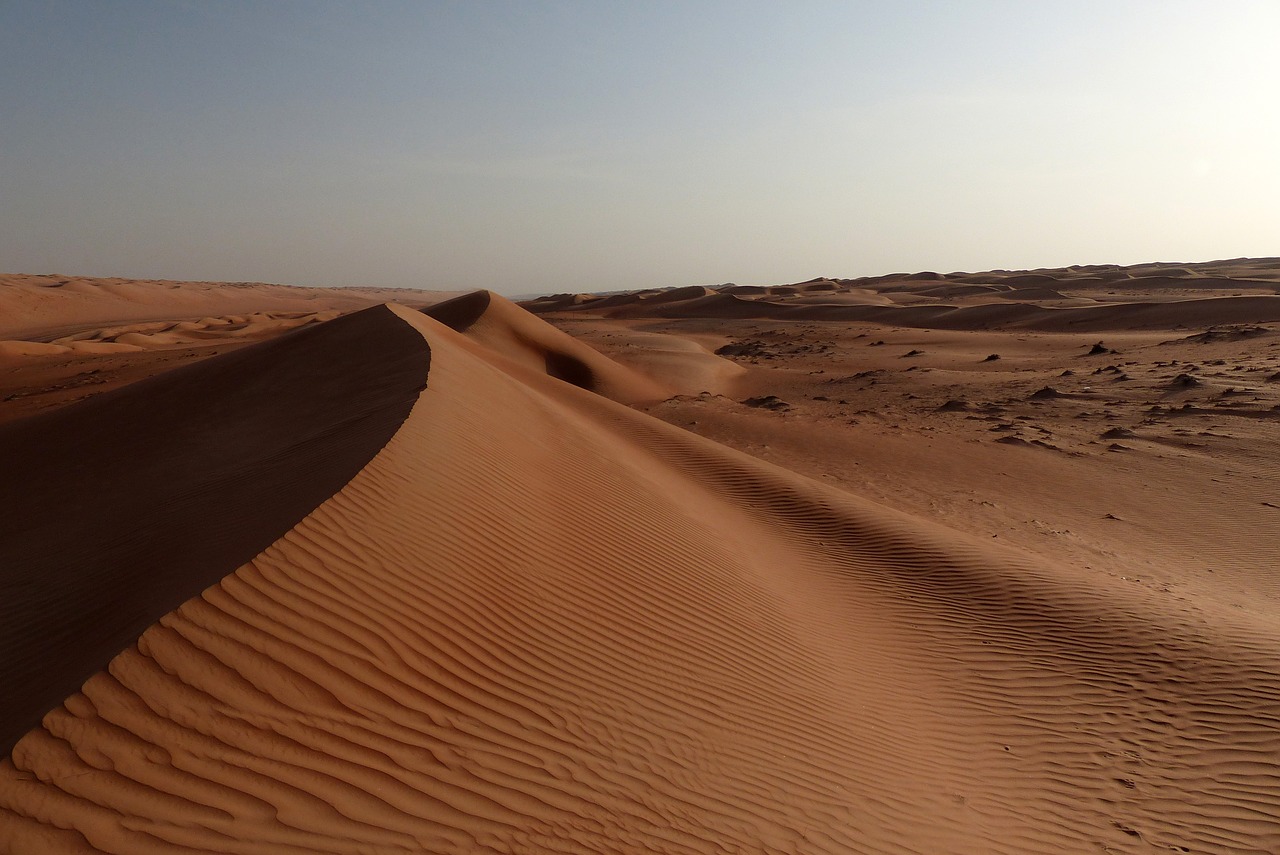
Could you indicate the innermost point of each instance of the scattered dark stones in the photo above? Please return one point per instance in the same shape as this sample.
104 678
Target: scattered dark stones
767 402
745 348
1230 332
758 349
1099 349
861 375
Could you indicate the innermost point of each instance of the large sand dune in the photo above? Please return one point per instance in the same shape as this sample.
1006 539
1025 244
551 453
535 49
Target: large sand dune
527 618
121 508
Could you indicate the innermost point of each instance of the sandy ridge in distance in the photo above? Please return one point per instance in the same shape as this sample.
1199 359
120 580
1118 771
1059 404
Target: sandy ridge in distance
539 621
42 308
1079 298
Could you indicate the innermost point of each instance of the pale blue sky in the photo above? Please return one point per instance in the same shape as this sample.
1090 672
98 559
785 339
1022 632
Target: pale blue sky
570 146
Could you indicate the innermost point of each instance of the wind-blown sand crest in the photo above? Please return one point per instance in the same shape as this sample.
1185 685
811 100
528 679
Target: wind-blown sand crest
159 489
504 328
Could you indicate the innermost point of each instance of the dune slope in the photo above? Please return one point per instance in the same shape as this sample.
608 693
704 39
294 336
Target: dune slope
538 621
506 329
121 507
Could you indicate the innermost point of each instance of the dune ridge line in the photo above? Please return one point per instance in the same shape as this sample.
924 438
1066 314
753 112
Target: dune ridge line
159 489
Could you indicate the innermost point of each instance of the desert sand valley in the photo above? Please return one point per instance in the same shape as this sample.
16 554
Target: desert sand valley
924 563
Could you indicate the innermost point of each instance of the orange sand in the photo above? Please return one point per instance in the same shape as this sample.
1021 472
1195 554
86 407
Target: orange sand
538 620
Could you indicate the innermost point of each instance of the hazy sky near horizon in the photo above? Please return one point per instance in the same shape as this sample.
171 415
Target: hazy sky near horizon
575 146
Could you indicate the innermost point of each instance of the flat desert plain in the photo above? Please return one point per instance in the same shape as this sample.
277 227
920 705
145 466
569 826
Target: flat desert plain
925 563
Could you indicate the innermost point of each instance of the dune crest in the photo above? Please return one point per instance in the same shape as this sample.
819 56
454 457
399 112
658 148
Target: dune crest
161 488
506 330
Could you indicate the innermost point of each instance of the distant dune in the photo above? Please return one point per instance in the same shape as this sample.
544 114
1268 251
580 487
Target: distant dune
418 579
48 306
1068 299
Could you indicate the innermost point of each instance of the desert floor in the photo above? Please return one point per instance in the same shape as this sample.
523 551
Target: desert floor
931 563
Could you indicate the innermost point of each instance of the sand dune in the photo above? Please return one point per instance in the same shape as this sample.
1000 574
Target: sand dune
510 333
63 339
920 311
49 306
503 613
649 366
1149 297
163 487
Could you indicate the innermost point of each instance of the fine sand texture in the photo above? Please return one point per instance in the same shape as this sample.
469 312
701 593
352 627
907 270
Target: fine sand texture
504 612
123 506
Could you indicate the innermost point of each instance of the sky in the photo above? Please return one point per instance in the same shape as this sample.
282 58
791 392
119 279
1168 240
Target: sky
531 147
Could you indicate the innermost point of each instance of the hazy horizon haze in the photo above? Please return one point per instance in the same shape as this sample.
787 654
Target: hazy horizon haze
564 146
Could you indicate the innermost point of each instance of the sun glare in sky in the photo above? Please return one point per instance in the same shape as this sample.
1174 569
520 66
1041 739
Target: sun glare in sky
574 146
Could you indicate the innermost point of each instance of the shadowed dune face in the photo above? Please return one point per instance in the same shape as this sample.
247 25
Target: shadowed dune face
460 313
564 367
121 507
